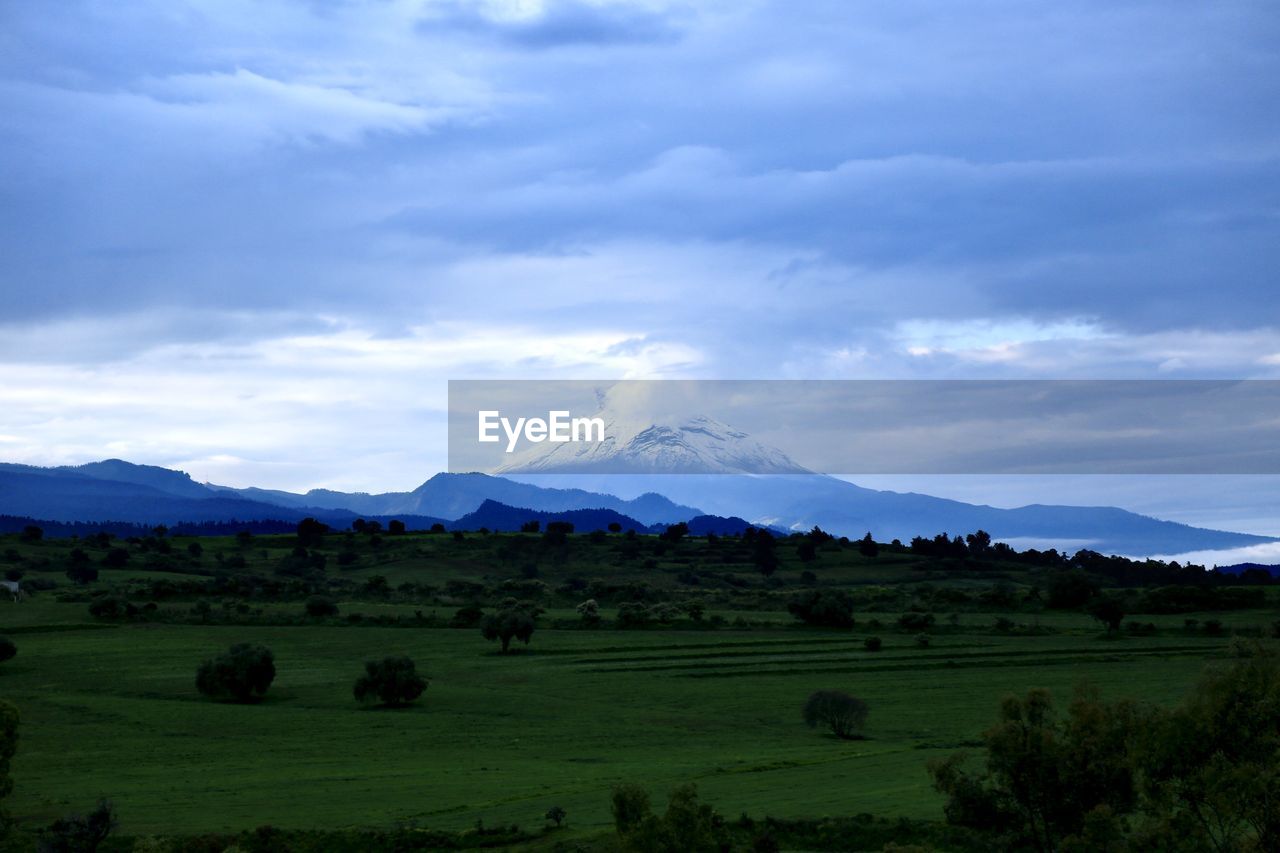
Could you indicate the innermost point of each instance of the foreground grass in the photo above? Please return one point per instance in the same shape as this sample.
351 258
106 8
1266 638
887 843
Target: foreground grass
114 712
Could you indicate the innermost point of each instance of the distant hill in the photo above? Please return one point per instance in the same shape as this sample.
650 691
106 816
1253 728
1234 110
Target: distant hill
71 495
500 517
455 495
1241 568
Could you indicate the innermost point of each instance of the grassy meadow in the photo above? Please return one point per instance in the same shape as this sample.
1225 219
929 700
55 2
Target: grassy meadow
110 709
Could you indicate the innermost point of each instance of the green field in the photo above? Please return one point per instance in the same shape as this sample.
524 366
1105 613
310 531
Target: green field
110 708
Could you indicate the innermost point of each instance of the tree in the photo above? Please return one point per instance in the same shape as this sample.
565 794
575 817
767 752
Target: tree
845 715
629 804
7 649
531 526
241 674
675 532
320 607
82 573
979 543
395 527
873 644
688 826
1210 768
1046 778
31 533
557 814
615 527
195 549
116 558
806 551
1107 610
80 833
764 552
393 681
311 532
8 746
867 546
513 622
1071 589
557 532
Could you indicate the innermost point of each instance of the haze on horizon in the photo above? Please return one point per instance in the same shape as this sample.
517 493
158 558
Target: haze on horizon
253 242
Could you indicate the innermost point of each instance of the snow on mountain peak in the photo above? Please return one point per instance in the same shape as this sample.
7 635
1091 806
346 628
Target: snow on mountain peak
690 445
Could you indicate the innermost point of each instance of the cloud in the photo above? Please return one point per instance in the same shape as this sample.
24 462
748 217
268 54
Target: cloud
707 189
557 23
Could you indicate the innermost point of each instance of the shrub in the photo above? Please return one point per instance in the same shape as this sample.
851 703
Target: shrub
116 558
80 833
467 617
915 621
872 644
111 607
829 608
241 674
393 681
845 715
556 814
320 607
7 649
81 573
589 611
922 641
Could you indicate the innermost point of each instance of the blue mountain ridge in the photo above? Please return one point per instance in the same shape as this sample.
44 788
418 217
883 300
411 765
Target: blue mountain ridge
119 491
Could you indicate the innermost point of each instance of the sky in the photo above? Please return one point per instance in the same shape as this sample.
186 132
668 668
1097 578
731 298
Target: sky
254 240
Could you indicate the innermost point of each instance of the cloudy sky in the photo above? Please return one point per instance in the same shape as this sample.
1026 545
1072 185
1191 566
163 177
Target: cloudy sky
253 240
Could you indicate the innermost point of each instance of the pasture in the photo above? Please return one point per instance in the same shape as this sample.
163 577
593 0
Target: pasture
110 709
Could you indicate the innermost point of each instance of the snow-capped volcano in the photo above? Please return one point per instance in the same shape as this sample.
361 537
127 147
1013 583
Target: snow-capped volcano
692 445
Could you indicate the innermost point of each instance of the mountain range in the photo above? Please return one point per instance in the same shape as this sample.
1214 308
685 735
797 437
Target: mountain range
119 491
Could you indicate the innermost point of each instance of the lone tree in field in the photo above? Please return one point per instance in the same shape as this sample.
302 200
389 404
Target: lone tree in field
512 622
557 814
7 649
393 681
845 715
1108 611
241 674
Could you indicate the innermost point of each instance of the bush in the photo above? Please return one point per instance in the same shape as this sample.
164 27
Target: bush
80 833
81 573
320 607
241 674
111 607
845 715
915 621
829 608
872 644
393 681
116 558
7 649
922 641
557 814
